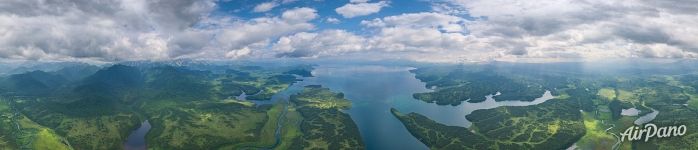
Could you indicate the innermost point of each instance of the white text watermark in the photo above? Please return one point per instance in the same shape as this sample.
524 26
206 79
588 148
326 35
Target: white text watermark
650 131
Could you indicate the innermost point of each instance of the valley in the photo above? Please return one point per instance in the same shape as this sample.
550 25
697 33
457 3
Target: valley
187 108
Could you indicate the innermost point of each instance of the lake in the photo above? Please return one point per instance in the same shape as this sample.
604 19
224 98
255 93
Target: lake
373 90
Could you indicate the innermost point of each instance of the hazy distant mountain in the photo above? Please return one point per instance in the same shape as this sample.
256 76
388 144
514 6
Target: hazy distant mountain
106 87
77 72
17 68
117 76
32 83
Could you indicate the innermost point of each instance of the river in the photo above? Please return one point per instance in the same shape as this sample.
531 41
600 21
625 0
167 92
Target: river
136 140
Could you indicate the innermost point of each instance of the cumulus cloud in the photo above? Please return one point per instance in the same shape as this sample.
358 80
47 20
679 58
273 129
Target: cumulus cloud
299 15
237 35
116 30
360 8
332 20
420 20
585 29
418 32
237 53
454 30
109 30
324 43
288 1
418 40
513 29
415 33
358 1
264 7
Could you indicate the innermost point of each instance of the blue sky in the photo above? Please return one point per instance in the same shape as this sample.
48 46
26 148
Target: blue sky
325 8
417 30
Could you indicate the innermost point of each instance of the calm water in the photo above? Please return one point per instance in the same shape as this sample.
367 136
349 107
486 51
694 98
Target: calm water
647 118
630 112
373 90
136 141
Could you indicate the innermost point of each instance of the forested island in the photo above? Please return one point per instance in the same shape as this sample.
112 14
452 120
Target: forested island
324 126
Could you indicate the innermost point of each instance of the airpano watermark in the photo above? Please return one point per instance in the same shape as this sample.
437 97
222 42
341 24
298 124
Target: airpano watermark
650 131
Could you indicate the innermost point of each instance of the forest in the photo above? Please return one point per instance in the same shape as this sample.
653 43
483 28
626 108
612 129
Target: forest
586 113
188 107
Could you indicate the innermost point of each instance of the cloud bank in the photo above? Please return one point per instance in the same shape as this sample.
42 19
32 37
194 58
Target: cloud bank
455 30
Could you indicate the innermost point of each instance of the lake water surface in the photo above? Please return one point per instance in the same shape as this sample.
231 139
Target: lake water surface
373 90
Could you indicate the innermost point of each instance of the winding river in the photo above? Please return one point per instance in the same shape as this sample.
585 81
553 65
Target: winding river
136 140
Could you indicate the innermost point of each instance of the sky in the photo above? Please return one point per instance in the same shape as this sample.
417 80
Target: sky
417 30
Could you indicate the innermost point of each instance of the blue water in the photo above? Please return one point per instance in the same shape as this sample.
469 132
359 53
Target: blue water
373 90
136 140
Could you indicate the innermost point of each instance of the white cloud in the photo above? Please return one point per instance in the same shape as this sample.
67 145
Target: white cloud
332 20
114 30
584 29
237 35
418 40
415 33
424 19
299 14
448 8
106 30
136 30
238 53
288 1
358 1
264 7
352 10
419 32
324 43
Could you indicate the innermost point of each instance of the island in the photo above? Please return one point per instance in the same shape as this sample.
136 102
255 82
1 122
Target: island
323 124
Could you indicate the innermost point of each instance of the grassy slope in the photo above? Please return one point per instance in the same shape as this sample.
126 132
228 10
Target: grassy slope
29 134
7 126
607 93
291 128
595 136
